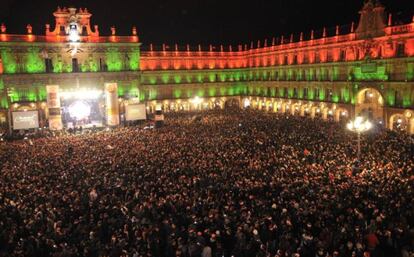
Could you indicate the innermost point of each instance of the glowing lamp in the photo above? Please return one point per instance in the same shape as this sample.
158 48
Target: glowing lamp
197 100
359 125
246 103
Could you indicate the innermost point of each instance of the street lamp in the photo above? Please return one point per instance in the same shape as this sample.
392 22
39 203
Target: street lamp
359 125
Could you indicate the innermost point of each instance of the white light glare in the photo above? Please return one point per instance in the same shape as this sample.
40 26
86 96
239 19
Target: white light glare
82 94
359 125
246 103
79 110
73 34
197 100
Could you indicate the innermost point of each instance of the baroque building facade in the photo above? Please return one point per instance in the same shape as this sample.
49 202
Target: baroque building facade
367 70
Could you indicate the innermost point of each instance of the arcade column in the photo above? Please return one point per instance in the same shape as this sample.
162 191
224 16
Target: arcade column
112 104
53 106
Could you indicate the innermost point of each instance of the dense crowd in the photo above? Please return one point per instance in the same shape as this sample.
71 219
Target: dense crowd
226 183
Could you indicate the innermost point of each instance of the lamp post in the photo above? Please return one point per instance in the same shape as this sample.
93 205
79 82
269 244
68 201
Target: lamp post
359 125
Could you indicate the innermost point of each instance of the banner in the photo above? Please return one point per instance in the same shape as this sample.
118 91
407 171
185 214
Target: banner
112 104
53 105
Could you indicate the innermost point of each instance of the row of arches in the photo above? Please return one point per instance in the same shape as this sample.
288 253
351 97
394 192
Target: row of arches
402 122
324 111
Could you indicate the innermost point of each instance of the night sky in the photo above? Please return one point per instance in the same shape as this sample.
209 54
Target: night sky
200 21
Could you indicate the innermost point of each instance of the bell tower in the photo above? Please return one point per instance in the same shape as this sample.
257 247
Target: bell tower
71 22
372 20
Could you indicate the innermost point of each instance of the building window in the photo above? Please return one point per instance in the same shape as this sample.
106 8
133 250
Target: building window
317 93
48 65
398 99
62 31
305 59
102 65
329 57
305 92
295 92
84 31
329 94
75 65
317 58
401 50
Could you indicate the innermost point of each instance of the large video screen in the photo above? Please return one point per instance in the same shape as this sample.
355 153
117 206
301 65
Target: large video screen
25 120
135 112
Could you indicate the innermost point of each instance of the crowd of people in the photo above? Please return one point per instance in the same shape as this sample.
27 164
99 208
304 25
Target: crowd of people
239 183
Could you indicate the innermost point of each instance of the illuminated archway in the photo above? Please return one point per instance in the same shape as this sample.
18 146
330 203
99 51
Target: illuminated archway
269 105
232 103
341 115
306 110
328 114
30 107
296 109
370 104
3 118
409 115
316 112
397 122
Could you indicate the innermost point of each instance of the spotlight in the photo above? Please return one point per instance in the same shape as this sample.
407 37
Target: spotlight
79 110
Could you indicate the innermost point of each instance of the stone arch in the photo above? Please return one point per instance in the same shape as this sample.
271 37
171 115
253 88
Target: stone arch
328 113
284 107
278 106
246 102
306 110
296 109
341 114
370 104
3 118
409 114
25 107
269 104
232 103
399 122
316 112
254 103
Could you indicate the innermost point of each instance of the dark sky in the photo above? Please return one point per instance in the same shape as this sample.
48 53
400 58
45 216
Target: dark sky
199 21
